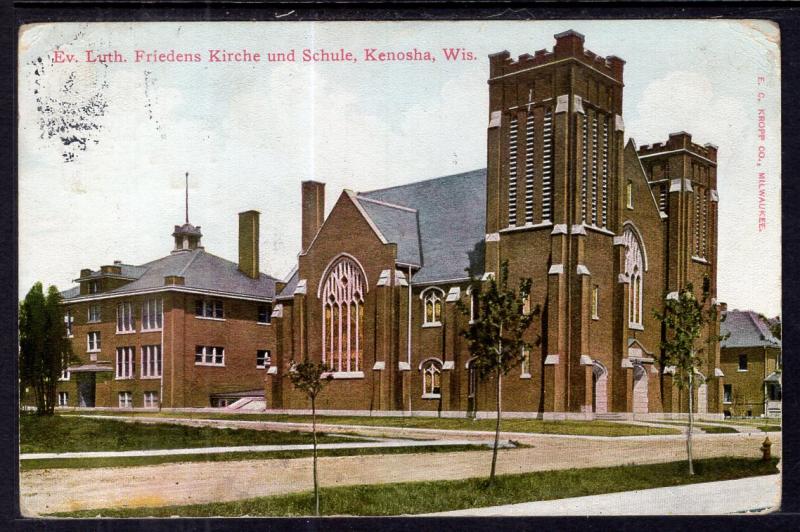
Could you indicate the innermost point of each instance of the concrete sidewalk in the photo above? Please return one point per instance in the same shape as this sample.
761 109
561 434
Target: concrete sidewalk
250 449
754 494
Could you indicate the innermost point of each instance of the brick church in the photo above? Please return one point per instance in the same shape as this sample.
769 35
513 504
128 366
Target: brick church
605 230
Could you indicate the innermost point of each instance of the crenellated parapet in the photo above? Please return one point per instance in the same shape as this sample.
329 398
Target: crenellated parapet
569 44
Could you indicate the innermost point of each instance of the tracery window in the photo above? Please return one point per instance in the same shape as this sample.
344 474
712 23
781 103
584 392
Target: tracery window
634 269
432 306
431 380
342 297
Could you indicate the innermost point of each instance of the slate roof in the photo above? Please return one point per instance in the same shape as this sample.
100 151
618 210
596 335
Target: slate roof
201 270
127 270
450 219
291 284
746 329
398 225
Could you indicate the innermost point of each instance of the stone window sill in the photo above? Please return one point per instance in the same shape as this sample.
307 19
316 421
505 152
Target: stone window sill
431 324
348 374
431 396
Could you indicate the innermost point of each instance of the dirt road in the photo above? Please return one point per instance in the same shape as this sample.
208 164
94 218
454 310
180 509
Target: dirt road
45 491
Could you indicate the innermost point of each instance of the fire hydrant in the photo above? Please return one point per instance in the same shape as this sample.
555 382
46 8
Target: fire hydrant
766 449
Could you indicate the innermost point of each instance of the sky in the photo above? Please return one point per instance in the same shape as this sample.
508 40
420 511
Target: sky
249 133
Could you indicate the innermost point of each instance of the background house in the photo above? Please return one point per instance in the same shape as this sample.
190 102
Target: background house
750 358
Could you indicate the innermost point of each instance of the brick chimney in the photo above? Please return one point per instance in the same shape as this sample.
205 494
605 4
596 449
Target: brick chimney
248 243
313 210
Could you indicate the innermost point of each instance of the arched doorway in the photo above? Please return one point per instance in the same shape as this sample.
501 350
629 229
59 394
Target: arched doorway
599 388
702 394
640 390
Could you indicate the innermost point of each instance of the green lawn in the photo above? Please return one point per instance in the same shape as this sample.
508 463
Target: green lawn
438 496
710 429
41 434
133 461
585 428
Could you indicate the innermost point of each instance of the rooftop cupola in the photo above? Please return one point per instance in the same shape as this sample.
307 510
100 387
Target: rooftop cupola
187 236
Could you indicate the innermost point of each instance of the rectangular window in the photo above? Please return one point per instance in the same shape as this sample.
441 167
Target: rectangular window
93 341
265 313
209 308
206 355
262 359
526 304
63 398
93 313
742 362
68 323
525 365
727 393
152 315
93 287
125 363
151 361
125 399
596 302
125 318
64 374
151 399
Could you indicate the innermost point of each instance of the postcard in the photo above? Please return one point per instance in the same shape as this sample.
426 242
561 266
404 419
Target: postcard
478 268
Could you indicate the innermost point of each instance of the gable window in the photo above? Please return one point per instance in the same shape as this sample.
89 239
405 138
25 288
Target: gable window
93 313
727 393
209 308
595 302
206 355
152 315
742 362
265 313
68 319
432 305
151 361
431 379
125 399
634 269
125 318
63 398
93 341
629 195
125 363
151 399
262 359
342 297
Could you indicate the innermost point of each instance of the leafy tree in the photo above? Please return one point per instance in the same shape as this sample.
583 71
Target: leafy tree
44 349
310 378
684 319
495 336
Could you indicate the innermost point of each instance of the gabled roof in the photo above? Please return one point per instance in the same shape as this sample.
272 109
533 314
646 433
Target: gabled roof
201 270
398 225
291 284
746 329
450 216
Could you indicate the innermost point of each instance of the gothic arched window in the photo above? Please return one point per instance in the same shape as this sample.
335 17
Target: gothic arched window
432 306
634 269
342 297
431 379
